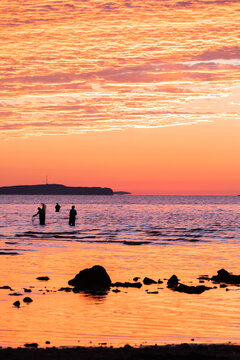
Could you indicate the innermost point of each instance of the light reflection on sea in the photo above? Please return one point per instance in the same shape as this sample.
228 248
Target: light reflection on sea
131 316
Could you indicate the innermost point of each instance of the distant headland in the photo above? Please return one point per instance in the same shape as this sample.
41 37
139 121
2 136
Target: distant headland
53 189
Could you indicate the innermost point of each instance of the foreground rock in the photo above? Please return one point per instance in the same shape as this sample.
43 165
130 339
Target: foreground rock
172 282
191 289
95 278
148 281
224 276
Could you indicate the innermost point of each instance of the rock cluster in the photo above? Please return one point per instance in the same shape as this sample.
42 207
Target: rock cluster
225 277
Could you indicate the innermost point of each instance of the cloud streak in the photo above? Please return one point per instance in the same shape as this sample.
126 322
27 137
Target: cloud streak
100 66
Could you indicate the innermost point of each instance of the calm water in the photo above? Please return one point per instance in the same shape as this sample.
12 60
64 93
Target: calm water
154 236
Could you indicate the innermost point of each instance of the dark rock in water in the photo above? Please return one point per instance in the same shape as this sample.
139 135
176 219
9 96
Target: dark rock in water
204 277
224 276
27 290
17 304
152 292
47 342
93 278
66 289
32 345
8 253
27 299
148 281
116 290
15 294
172 282
223 285
126 242
43 278
127 284
160 281
191 289
6 287
136 278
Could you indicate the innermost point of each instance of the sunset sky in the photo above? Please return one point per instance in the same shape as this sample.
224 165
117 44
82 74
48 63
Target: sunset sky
142 96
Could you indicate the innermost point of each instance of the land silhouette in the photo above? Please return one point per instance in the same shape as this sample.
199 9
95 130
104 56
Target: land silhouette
53 189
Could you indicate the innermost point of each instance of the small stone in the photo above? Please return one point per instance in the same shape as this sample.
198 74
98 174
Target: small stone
66 289
127 284
27 290
27 299
148 281
116 290
47 342
43 278
6 287
17 304
15 294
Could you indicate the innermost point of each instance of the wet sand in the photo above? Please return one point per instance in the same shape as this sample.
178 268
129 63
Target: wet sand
182 351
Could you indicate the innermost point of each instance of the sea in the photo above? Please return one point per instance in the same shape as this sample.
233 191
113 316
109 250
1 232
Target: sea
131 236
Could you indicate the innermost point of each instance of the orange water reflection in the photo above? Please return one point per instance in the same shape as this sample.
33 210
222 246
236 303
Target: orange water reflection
130 316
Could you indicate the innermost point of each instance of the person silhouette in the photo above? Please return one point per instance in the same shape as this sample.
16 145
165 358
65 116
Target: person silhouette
72 216
42 214
57 207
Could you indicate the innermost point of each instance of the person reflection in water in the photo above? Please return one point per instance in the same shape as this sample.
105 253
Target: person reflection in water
57 207
72 216
42 214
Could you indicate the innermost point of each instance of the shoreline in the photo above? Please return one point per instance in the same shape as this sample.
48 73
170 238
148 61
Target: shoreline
182 351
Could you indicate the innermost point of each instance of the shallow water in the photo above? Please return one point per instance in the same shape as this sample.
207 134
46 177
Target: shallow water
155 219
186 236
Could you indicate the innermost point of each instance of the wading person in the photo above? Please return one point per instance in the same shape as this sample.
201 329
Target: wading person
72 216
42 214
57 207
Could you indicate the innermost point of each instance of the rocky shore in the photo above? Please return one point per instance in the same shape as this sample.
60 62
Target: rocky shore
168 352
96 281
